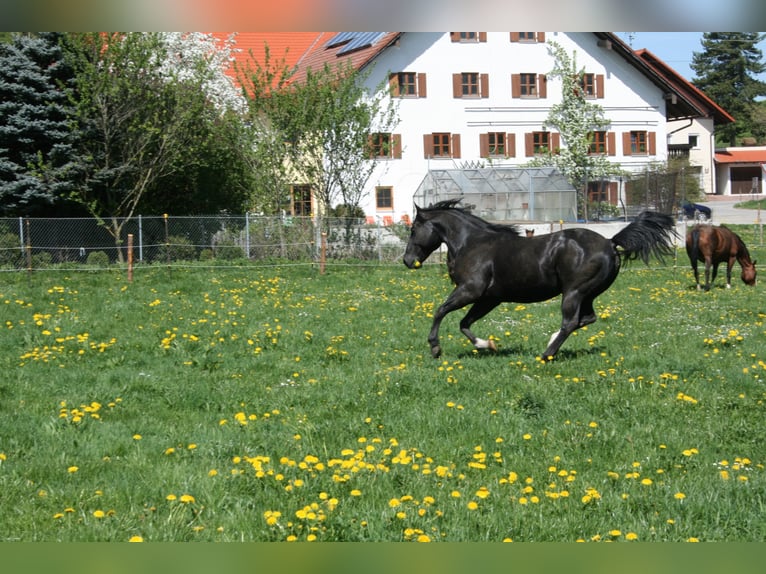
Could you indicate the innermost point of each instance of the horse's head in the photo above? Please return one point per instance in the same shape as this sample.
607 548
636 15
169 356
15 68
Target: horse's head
748 273
424 239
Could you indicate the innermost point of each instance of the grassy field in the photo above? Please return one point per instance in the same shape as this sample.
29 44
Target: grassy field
277 404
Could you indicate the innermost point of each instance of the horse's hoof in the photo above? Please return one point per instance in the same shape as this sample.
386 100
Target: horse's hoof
491 345
436 352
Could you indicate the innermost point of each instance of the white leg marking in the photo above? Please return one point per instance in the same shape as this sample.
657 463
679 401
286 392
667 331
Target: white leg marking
553 337
484 344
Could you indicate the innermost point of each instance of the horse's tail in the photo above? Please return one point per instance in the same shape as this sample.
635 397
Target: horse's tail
650 233
694 245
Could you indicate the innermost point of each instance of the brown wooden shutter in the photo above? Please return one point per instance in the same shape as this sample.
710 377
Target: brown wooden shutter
516 85
396 140
514 36
483 145
456 146
529 145
428 145
652 143
393 84
541 36
510 145
555 142
484 85
482 36
457 86
542 86
611 145
599 85
626 143
421 85
612 187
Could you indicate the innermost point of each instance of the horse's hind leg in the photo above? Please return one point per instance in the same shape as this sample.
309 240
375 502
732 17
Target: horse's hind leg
570 321
476 312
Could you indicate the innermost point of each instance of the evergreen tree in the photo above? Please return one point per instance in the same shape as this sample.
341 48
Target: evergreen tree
35 137
726 71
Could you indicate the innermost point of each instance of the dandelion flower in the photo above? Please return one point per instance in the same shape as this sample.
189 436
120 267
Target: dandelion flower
186 498
631 536
472 505
72 469
679 496
136 539
99 513
356 492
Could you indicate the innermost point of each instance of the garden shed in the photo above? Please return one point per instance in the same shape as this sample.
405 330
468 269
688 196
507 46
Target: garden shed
503 194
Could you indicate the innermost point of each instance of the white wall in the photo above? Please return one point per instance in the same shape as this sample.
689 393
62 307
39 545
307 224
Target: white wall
631 102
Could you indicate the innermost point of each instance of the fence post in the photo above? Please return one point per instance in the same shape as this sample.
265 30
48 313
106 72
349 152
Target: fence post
130 257
323 253
167 240
29 248
247 235
21 236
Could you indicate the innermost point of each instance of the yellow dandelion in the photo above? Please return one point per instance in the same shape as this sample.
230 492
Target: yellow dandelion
136 539
72 469
99 514
356 492
473 505
679 496
187 498
631 536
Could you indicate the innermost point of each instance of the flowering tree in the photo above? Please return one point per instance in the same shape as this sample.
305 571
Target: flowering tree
575 118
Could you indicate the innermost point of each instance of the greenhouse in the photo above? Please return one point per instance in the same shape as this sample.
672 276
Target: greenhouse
503 193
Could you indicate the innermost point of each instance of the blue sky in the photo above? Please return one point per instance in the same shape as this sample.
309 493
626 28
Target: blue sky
673 48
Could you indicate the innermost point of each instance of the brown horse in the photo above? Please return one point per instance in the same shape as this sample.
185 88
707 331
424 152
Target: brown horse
714 245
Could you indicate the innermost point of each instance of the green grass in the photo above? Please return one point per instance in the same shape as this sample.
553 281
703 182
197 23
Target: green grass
272 403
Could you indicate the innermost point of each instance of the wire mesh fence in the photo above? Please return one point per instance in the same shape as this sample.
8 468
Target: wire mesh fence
36 243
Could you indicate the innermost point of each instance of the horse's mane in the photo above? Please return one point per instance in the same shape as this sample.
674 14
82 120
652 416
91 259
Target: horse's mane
465 213
741 247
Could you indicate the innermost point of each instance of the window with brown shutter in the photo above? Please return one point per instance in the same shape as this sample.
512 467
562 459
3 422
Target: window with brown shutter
470 85
407 85
468 37
529 85
528 37
441 145
385 145
497 145
541 143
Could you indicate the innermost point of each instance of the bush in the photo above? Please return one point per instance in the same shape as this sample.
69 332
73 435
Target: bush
206 254
98 259
10 251
178 248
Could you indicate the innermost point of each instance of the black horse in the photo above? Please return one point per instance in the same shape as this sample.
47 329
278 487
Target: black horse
491 263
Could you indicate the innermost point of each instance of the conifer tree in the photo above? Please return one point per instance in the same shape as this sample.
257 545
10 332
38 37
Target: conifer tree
35 139
726 71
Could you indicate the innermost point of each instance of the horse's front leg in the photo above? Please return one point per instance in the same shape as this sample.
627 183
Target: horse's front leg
708 280
729 267
479 310
459 298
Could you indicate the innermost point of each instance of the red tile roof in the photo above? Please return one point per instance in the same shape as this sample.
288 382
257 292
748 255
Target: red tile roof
326 53
741 156
686 88
289 47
